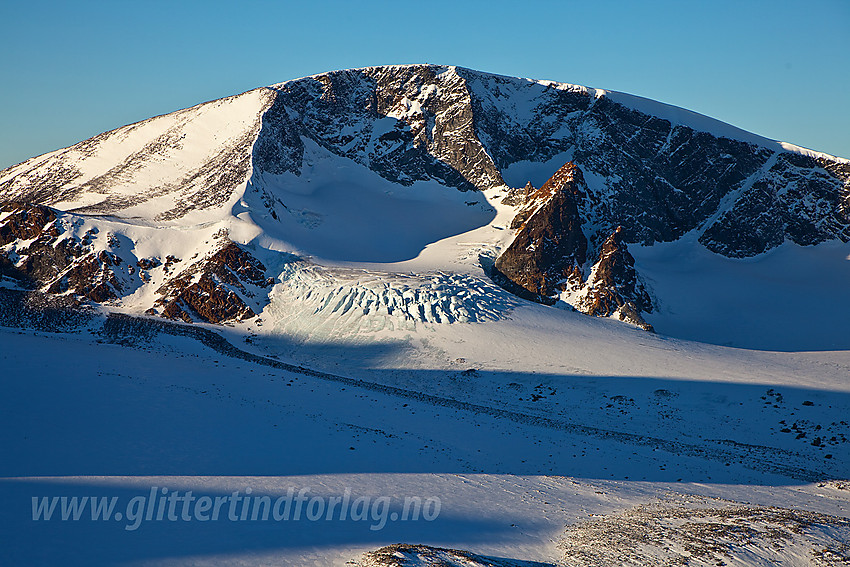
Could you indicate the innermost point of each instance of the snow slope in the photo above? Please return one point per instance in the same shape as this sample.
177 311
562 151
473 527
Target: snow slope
785 299
582 425
336 210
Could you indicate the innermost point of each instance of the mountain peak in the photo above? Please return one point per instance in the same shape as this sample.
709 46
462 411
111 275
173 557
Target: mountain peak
313 166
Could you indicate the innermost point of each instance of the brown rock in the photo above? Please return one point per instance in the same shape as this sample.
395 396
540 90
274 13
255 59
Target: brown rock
91 277
26 222
519 196
614 286
44 256
214 289
549 245
147 263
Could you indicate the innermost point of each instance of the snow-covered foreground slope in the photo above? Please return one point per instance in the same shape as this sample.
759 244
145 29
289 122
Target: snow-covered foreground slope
522 430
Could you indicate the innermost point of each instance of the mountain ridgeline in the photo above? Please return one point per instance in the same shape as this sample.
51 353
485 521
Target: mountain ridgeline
656 179
623 171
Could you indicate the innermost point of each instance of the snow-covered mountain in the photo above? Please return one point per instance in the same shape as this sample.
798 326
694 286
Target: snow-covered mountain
416 168
374 283
657 170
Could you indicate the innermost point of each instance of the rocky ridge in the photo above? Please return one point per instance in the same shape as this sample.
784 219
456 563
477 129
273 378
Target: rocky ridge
215 289
654 176
51 252
548 257
549 246
613 287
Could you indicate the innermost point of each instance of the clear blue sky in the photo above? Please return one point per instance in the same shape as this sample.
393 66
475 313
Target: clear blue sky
70 70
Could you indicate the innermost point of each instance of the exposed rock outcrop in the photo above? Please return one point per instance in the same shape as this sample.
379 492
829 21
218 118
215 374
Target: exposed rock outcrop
613 287
24 221
407 555
516 197
796 198
36 252
216 289
549 245
547 257
93 276
42 249
406 123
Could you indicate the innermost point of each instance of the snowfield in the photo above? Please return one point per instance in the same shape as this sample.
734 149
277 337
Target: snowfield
531 436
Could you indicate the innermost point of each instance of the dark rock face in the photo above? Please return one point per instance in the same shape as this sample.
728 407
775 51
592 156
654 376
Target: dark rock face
664 180
279 148
550 251
613 286
215 289
549 244
517 197
656 179
795 199
660 180
405 123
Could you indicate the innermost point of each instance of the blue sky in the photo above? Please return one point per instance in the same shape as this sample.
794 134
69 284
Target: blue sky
71 70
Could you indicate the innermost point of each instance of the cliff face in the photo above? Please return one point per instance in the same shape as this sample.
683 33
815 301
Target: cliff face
549 245
613 288
549 260
658 176
406 123
798 197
